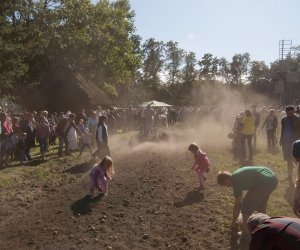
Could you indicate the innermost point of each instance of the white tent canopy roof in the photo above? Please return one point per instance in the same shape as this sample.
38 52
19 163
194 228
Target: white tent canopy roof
154 104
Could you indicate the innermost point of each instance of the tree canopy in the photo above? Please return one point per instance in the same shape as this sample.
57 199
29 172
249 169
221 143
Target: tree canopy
101 40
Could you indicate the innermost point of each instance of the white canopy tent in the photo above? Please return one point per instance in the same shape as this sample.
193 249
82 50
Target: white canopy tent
155 104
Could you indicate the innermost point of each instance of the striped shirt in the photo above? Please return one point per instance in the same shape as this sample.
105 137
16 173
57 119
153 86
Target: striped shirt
276 233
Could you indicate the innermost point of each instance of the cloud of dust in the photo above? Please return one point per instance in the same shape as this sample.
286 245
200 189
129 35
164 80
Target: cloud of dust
207 125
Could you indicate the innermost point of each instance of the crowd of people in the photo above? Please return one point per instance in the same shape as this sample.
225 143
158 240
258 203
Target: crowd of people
20 133
246 127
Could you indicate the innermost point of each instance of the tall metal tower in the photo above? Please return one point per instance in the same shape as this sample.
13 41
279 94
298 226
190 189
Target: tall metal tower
285 48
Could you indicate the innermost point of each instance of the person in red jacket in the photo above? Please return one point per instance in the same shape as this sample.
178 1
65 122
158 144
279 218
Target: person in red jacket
5 125
268 233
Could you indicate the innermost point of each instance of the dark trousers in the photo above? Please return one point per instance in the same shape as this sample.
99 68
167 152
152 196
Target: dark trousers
256 199
271 138
27 152
63 139
21 155
247 138
43 145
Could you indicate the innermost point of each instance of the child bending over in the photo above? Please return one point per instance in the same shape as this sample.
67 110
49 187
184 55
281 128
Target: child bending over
100 174
201 165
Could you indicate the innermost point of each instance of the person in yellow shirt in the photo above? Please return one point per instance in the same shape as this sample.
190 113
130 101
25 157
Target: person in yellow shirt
247 134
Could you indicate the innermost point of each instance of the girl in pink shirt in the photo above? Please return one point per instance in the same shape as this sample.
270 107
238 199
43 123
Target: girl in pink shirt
100 174
201 164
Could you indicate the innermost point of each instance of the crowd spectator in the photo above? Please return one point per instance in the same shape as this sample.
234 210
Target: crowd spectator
289 133
237 139
102 139
28 126
247 134
81 116
43 134
271 124
62 130
148 115
256 117
91 124
21 147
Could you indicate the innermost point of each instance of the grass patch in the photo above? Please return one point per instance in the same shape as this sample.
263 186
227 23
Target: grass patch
18 178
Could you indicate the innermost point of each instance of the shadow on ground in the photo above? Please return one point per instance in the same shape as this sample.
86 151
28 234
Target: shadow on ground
83 206
191 197
80 168
33 163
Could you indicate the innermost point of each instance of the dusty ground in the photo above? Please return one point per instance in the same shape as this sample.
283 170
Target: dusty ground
152 204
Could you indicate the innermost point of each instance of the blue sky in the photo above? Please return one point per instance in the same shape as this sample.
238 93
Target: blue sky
221 27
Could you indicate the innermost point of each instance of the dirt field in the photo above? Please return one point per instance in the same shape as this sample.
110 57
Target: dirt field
152 203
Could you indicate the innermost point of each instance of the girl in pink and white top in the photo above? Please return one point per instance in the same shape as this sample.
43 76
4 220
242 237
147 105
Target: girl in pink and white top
201 165
100 174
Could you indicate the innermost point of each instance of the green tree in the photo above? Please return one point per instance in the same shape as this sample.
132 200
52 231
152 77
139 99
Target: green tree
189 74
113 53
239 68
224 70
174 60
259 77
153 62
208 67
98 39
12 52
258 71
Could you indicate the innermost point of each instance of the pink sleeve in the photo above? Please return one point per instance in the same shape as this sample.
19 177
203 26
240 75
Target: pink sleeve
198 159
203 161
207 160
